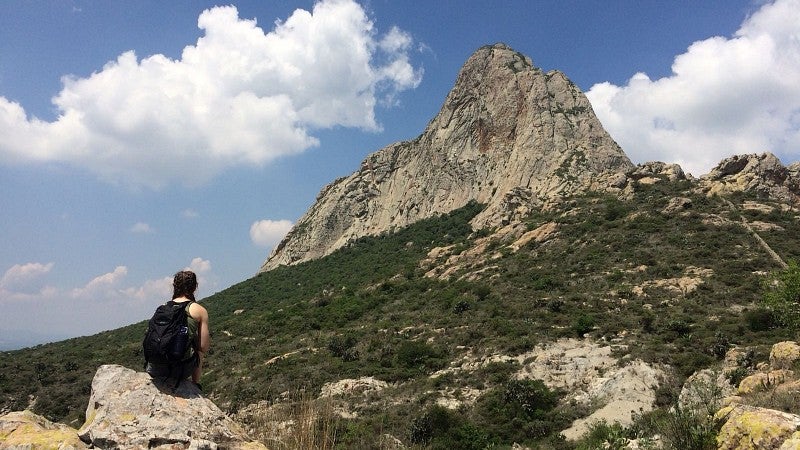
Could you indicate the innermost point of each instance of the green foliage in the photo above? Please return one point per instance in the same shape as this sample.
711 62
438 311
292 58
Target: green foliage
685 428
342 347
601 435
583 324
520 411
760 319
782 295
440 428
416 354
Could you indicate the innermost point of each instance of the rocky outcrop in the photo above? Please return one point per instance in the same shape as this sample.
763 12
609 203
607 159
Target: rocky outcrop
588 372
753 428
748 420
26 430
508 136
761 174
128 409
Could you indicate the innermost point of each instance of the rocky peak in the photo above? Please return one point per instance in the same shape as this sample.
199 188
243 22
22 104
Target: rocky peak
508 134
763 174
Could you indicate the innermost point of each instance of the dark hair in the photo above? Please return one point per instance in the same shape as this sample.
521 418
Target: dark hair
184 284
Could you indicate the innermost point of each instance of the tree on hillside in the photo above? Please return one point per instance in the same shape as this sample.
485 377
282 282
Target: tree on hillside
782 295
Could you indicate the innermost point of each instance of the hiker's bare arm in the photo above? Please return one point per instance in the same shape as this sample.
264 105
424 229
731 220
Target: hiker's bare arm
205 334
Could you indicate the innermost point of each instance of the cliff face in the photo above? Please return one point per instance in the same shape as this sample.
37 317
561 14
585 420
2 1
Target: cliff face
509 136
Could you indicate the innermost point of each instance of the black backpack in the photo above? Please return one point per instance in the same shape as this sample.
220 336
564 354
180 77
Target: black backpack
167 337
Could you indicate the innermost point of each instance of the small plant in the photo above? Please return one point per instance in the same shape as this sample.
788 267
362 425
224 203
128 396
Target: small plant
736 375
720 346
583 324
760 319
602 435
461 307
419 355
683 428
555 305
343 347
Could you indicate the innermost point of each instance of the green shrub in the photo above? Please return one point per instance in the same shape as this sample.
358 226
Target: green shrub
601 435
520 411
760 319
685 429
782 295
583 324
343 347
417 354
440 428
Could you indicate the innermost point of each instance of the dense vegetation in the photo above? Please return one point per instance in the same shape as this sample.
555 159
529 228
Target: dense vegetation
369 310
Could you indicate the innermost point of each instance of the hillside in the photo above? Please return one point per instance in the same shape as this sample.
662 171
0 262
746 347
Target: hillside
507 277
671 285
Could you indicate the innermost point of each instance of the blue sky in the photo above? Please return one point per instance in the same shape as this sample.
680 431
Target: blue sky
141 138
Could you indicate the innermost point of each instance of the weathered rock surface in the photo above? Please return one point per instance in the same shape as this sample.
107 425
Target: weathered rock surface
509 136
784 354
753 428
127 409
26 430
749 423
763 174
588 372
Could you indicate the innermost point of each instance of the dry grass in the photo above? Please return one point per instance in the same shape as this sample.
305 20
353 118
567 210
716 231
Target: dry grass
297 422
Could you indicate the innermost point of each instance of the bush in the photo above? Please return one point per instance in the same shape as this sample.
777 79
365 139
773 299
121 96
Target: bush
583 324
343 347
685 429
605 436
782 294
532 396
440 428
760 319
417 354
520 411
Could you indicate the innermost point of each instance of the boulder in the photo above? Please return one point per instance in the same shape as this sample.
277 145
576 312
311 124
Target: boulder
704 391
129 409
26 430
784 354
750 427
763 381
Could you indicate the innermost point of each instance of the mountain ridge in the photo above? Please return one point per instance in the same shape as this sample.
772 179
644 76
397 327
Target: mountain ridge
509 136
506 133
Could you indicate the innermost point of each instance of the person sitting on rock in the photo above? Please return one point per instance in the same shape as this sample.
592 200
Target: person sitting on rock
184 284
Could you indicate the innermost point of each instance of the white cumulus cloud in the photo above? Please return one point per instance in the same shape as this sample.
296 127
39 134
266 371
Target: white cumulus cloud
190 214
103 286
238 96
267 233
22 276
725 96
141 228
200 266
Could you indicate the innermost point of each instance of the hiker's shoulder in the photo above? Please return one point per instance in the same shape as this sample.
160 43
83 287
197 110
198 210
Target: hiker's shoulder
196 309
